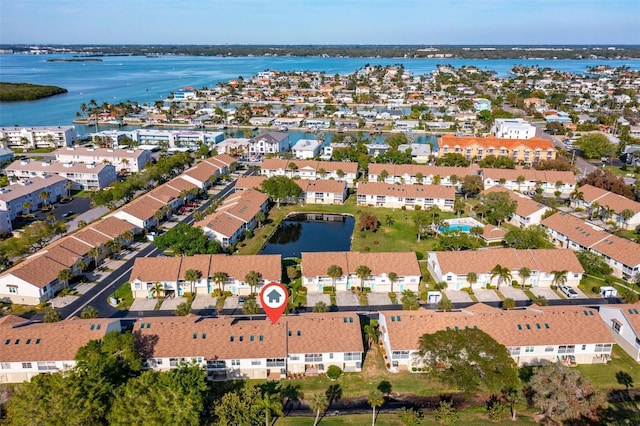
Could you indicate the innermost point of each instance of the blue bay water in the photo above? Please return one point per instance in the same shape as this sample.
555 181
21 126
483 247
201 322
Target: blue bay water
145 80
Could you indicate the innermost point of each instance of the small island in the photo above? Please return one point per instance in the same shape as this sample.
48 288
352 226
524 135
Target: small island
74 60
27 92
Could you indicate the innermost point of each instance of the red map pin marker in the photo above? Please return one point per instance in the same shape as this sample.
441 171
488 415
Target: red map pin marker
274 298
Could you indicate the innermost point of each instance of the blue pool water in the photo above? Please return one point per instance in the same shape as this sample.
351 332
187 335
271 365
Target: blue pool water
456 227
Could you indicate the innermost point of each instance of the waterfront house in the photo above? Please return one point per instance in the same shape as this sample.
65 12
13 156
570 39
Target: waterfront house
314 267
170 272
234 217
621 254
535 335
269 143
380 194
238 348
453 267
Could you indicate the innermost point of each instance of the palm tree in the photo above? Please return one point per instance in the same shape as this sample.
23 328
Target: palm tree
334 272
81 265
260 218
250 307
158 216
51 217
626 214
559 277
419 178
520 179
127 236
253 278
27 206
220 278
472 278
96 253
64 276
156 289
503 274
271 404
68 185
44 196
524 274
577 196
363 272
595 207
371 334
198 216
89 312
392 279
192 275
375 399
318 403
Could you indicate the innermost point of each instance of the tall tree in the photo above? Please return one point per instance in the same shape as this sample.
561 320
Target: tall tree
318 403
334 272
392 279
250 307
220 278
65 275
564 394
375 398
503 274
472 278
192 275
525 274
363 272
271 405
253 278
281 188
559 277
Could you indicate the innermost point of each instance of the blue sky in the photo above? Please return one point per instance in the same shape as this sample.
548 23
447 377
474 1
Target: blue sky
423 22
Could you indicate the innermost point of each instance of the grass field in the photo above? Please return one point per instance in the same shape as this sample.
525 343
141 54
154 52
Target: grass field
124 293
603 376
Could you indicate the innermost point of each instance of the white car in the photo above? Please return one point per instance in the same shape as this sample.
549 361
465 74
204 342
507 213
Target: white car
569 292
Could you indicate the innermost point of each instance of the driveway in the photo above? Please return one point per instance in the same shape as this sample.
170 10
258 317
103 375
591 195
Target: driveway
313 298
513 293
458 296
346 298
485 295
172 303
142 304
546 292
60 302
203 301
379 298
231 302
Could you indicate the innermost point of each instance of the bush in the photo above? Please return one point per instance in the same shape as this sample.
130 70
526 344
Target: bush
419 255
629 297
327 290
508 303
333 372
423 296
183 309
302 291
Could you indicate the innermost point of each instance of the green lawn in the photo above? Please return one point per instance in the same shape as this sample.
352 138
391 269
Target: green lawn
619 172
123 293
603 376
400 235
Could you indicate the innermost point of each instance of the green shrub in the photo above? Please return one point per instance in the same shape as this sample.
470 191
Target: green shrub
508 303
327 290
419 255
333 372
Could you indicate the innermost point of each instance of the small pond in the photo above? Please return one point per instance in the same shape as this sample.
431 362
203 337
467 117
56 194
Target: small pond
311 232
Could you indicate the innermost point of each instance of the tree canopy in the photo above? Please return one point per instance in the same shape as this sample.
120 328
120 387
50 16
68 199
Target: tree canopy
498 206
281 188
468 359
532 237
186 240
595 145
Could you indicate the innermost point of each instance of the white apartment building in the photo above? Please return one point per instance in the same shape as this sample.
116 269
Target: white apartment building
269 143
13 197
512 128
127 160
306 149
83 176
37 137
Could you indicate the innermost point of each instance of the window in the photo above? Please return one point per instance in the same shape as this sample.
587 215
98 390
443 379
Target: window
514 350
528 349
26 365
331 356
352 356
13 290
5 365
400 355
584 347
548 349
255 362
616 325
312 357
294 357
173 362
47 366
566 349
603 347
275 362
235 363
215 364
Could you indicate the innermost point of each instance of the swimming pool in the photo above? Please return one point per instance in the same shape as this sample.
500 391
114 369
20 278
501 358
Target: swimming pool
456 227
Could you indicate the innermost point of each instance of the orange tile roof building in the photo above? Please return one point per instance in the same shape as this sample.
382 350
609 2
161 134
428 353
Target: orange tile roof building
170 273
523 180
522 151
420 174
621 254
535 335
310 169
314 268
232 348
528 212
452 267
617 203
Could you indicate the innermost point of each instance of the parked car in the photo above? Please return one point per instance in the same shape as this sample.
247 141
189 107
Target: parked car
69 213
569 292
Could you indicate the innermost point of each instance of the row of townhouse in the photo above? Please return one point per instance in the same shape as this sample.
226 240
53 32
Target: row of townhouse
591 196
311 170
315 267
519 179
85 176
526 151
170 272
380 194
536 335
235 216
124 160
453 268
35 280
528 212
621 254
143 211
38 137
313 191
13 198
225 348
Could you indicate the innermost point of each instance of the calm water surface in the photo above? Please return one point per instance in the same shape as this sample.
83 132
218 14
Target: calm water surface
311 233
145 80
